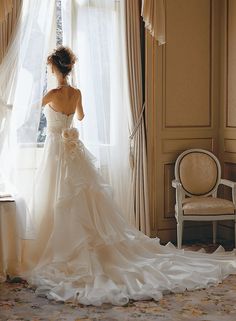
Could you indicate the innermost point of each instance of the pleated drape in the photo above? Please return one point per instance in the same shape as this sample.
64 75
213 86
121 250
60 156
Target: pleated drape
138 153
9 12
153 13
5 8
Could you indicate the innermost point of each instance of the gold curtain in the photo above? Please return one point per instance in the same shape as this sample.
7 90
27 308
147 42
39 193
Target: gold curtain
9 12
137 125
5 8
153 13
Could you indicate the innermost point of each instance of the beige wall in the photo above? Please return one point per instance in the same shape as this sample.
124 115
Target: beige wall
227 131
183 93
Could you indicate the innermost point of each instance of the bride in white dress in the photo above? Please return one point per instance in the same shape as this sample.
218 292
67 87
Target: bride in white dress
84 249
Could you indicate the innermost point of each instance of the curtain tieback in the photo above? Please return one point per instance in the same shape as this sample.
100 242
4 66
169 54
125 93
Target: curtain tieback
133 133
137 123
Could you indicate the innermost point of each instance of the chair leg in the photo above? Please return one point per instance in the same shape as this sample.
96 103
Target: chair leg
214 226
179 234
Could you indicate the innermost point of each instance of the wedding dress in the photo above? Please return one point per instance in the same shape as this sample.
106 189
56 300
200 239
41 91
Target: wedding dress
86 251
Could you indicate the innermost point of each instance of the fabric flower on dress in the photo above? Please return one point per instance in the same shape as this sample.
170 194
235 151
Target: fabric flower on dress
70 137
70 134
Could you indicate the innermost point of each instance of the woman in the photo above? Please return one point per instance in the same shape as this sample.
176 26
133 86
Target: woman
84 249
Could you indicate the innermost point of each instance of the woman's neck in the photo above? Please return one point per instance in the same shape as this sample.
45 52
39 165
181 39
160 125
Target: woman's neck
62 83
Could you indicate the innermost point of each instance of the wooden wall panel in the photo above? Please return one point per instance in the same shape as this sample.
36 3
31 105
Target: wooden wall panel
230 145
231 62
187 64
182 96
191 102
179 145
227 135
230 171
169 194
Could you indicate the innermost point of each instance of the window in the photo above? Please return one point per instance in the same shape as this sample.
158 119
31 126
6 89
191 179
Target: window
43 122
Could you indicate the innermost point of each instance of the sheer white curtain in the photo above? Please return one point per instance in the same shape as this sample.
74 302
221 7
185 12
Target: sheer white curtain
22 80
94 31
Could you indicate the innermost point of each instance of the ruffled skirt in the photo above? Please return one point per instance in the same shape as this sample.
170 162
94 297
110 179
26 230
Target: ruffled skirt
86 252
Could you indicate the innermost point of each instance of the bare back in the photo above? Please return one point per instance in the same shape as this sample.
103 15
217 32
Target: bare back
65 99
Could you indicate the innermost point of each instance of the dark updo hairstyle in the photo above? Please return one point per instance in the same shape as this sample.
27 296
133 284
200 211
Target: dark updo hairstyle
63 58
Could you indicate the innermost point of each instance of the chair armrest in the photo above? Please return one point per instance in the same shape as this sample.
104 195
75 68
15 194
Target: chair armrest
176 183
231 184
179 194
228 183
179 190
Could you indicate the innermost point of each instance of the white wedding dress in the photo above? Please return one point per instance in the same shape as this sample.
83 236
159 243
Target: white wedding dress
86 251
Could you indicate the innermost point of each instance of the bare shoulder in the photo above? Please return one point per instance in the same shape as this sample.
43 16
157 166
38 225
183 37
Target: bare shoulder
51 92
49 96
78 92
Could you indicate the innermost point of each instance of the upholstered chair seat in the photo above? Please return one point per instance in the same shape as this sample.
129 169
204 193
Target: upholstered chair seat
207 206
197 177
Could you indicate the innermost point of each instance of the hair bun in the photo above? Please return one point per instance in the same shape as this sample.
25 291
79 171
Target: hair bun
63 58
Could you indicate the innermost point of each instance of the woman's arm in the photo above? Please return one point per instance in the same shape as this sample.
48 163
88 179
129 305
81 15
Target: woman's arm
79 107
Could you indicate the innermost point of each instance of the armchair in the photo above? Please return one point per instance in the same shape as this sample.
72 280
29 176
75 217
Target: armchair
197 177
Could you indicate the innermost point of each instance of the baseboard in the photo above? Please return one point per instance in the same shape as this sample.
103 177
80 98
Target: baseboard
192 231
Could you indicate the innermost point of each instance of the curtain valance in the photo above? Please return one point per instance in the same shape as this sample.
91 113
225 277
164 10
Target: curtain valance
153 13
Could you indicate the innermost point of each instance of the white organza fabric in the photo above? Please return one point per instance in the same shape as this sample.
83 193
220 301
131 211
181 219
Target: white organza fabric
86 251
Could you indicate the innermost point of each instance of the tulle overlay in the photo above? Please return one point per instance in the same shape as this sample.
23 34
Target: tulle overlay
85 251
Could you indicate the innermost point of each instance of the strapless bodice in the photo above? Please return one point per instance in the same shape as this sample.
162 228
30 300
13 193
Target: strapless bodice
56 121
